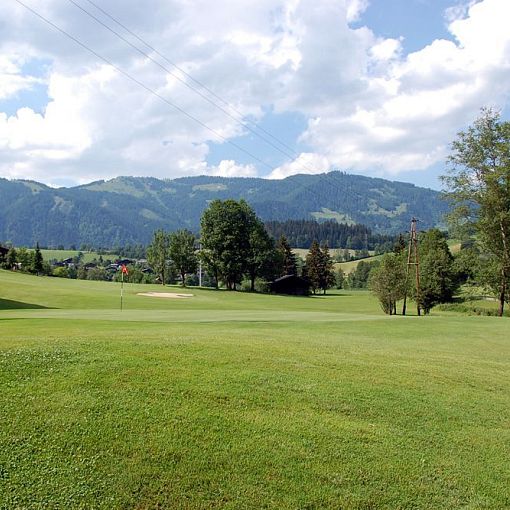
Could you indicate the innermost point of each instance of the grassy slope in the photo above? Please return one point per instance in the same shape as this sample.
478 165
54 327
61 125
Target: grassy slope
88 256
243 401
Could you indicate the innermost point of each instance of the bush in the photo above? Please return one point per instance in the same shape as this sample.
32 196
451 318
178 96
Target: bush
61 272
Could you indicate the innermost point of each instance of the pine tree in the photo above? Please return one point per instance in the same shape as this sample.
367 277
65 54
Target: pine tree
288 258
315 267
37 264
327 269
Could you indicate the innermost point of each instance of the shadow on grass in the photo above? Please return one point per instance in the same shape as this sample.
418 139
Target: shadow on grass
7 304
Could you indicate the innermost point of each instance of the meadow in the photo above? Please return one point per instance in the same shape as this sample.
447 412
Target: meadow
245 401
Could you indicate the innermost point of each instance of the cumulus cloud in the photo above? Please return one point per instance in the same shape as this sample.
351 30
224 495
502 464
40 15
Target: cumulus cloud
229 168
370 107
305 163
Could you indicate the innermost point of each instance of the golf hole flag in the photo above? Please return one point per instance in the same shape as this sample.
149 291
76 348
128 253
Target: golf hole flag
124 270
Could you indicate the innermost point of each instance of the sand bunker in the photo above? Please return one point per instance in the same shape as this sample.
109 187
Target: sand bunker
168 295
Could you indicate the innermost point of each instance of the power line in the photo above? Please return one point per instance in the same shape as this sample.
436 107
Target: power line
189 76
238 119
156 94
141 84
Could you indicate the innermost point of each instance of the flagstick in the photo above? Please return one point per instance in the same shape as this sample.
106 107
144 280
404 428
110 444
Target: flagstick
121 290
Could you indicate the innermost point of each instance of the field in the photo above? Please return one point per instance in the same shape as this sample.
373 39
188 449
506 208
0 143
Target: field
88 256
243 401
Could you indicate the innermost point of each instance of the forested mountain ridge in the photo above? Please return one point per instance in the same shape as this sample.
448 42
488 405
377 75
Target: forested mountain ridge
128 209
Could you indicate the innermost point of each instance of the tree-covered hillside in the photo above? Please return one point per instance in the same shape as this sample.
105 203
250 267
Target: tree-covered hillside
128 209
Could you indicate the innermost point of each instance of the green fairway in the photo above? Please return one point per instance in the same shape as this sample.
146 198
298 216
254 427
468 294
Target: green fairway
245 401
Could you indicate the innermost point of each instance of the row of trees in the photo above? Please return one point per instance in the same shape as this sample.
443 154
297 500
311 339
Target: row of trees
25 260
439 277
235 247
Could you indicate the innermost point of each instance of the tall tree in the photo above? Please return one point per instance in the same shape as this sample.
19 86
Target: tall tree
314 266
37 263
225 236
158 255
438 279
327 269
182 253
478 185
261 253
287 257
11 258
388 282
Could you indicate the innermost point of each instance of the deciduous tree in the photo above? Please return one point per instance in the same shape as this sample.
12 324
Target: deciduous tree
158 255
182 253
478 186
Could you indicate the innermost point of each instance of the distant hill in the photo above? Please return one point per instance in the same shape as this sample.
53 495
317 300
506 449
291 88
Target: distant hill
128 209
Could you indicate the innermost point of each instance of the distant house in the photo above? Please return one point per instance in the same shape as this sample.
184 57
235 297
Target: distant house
3 251
291 284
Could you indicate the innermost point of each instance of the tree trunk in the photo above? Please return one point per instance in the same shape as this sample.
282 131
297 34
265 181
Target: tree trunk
502 293
252 285
183 278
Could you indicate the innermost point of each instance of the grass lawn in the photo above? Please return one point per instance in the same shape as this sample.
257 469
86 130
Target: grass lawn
242 401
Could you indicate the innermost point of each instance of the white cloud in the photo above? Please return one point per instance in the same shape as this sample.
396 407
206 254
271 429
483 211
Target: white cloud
370 107
229 168
305 163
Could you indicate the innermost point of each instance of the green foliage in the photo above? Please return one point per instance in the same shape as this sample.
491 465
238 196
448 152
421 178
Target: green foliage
182 253
286 257
235 243
340 278
262 258
37 262
301 234
358 279
61 272
313 266
319 268
388 281
438 278
158 255
126 210
11 258
225 237
478 185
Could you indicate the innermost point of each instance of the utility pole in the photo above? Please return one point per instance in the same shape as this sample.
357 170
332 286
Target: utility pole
413 260
199 265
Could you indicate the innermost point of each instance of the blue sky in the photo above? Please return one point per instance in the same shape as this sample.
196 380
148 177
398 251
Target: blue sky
375 87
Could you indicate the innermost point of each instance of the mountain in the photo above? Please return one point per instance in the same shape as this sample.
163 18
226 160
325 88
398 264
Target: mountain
126 210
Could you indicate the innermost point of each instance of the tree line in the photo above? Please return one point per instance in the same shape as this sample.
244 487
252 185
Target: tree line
236 250
302 233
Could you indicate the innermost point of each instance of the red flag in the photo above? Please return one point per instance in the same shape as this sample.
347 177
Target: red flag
124 269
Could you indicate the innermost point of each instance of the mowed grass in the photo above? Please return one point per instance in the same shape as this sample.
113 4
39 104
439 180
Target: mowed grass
230 400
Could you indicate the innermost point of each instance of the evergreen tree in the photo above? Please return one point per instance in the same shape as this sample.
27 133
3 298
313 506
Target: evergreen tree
327 269
314 266
37 264
287 258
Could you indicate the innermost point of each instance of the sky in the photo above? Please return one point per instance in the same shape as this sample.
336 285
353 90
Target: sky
92 90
